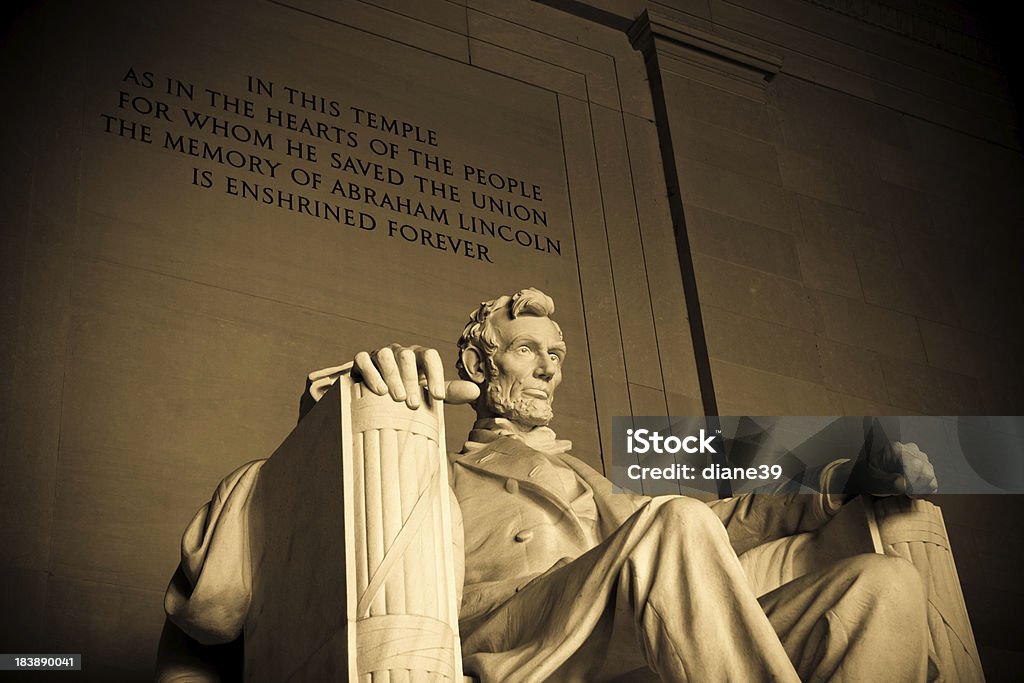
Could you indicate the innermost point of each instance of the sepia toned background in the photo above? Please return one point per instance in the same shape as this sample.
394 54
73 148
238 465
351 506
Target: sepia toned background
777 207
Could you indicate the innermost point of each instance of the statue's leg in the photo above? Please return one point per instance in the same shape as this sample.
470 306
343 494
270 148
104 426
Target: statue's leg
863 619
671 574
696 614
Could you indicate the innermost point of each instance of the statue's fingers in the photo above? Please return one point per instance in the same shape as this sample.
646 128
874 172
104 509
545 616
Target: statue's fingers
434 369
410 377
913 468
389 371
897 457
369 374
928 481
923 487
928 471
460 391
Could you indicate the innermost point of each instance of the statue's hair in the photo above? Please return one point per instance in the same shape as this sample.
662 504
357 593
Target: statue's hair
479 331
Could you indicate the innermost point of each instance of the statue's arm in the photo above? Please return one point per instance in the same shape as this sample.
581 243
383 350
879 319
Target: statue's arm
774 512
796 506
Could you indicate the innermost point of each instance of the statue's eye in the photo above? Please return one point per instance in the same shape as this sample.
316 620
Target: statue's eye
524 350
554 358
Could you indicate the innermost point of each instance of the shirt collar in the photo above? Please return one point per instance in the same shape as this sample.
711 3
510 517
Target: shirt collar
490 429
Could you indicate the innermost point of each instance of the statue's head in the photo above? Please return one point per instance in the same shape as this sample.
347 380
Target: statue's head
514 351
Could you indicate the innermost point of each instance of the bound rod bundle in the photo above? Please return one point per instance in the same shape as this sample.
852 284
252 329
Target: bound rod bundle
405 618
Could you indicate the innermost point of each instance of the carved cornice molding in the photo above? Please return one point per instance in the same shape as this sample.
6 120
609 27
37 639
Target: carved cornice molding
914 27
677 44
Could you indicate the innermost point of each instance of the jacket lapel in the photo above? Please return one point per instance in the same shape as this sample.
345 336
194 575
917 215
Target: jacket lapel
509 458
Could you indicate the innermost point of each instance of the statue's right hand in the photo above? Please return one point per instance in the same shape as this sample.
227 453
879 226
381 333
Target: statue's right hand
401 370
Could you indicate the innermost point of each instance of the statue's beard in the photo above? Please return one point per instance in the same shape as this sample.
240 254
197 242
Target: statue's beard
526 411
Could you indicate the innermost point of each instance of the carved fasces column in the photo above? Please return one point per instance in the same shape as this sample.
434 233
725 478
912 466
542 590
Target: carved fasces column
350 532
915 531
400 575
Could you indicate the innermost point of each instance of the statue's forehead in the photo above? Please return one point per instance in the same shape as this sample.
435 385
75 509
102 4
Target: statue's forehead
541 328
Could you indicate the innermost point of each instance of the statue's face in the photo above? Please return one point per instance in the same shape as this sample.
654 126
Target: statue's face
525 370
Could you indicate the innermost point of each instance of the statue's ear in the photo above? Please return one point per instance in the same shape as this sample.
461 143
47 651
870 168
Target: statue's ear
474 364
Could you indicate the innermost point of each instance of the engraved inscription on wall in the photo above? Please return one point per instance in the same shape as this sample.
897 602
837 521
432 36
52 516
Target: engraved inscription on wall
323 158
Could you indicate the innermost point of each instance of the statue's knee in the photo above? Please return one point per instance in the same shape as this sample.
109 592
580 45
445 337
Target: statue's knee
690 514
895 581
